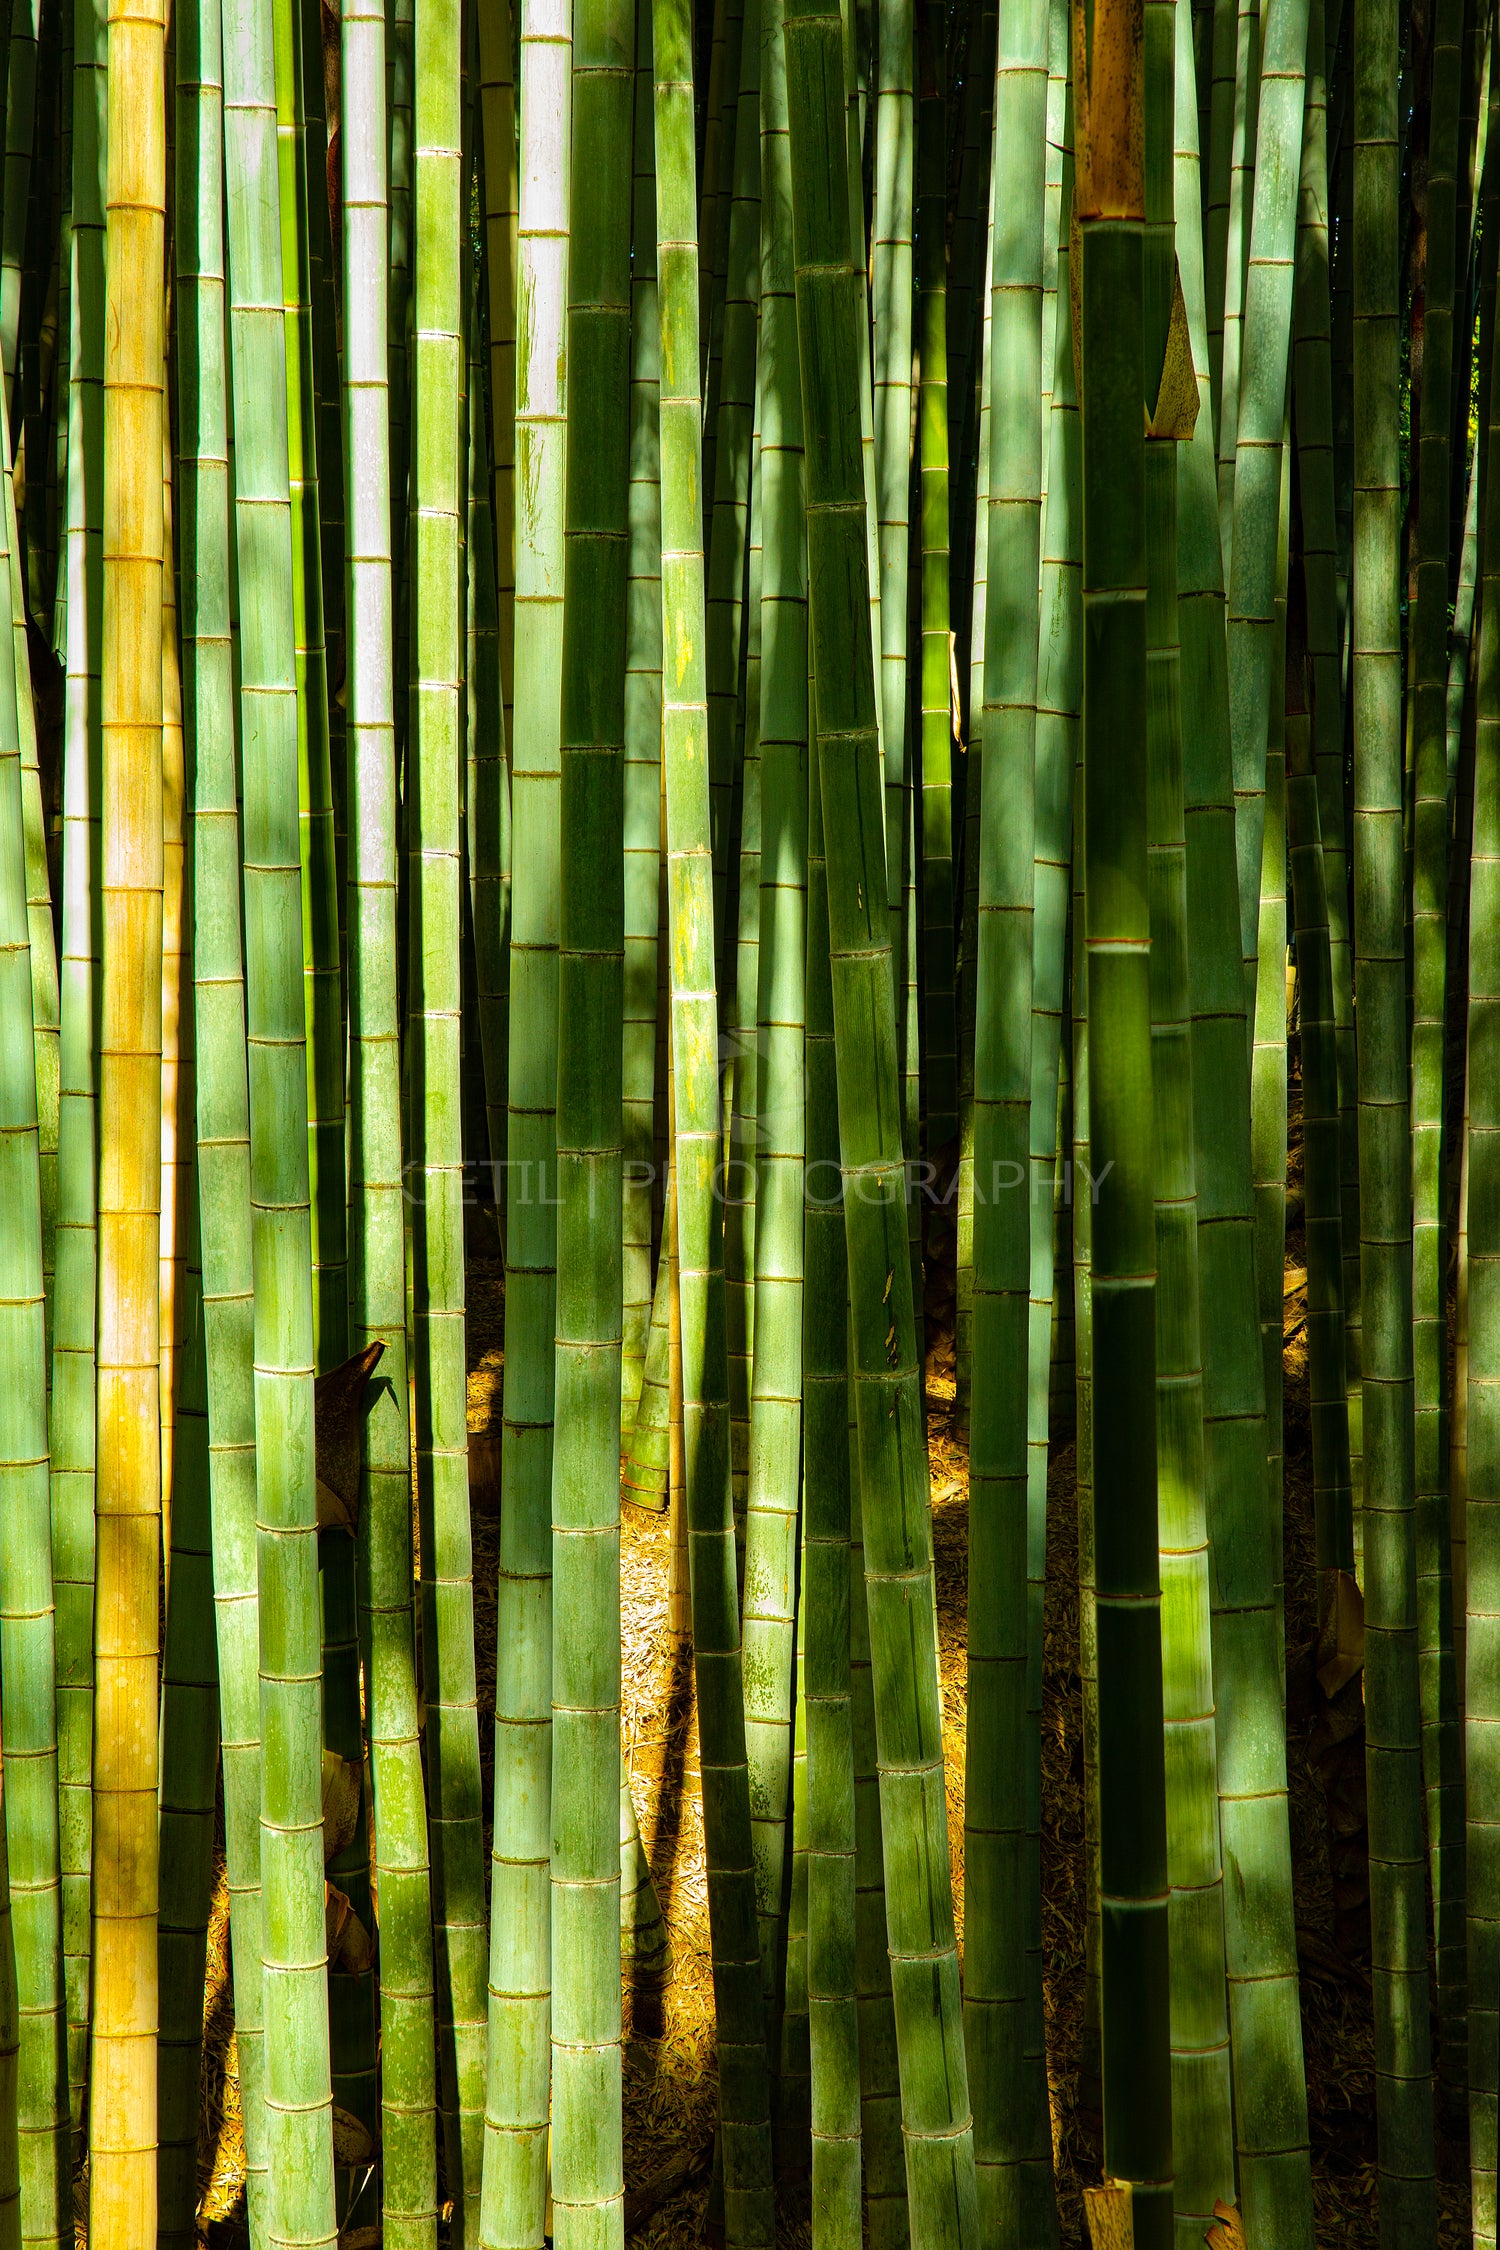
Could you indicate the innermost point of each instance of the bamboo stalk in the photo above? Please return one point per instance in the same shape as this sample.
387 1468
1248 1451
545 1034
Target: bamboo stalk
588 2185
74 1289
517 2075
221 1088
122 2108
1403 2085
936 2117
1260 1938
377 1276
687 779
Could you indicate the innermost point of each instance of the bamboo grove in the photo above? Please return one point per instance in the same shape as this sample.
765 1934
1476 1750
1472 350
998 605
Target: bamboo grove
709 634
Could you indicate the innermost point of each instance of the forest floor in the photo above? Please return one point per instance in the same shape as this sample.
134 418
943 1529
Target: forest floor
670 2079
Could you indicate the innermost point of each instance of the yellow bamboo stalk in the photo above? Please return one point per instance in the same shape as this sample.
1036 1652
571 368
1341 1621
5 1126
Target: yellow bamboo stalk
122 2105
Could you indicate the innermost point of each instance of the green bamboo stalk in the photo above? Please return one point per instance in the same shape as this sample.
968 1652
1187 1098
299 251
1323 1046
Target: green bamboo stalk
743 2089
1312 386
1268 1059
298 2089
1080 1183
325 1041
27 1630
891 330
221 1088
516 2101
1003 1770
791 2128
434 1132
1328 1407
73 1338
1260 1940
189 1770
1478 1270
1215 142
586 2152
1059 686
731 415
502 189
772 1491
20 128
740 1171
882 2163
1202 2095
642 747
969 261
1134 1981
377 1278
1232 276
10 2036
1258 480
1403 2084
963 1318
939 1029
824 1614
936 2118
726 63
730 455
487 797
1441 1749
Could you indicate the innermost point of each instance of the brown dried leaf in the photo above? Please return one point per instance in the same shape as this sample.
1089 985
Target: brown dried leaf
1341 1641
1228 2229
1176 412
352 2144
1111 2221
341 1777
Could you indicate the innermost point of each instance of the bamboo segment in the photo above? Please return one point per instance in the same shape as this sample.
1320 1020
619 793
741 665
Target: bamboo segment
189 1772
502 194
1441 1743
221 1089
1260 1937
1268 1067
1328 1403
1002 1793
325 1044
74 1287
434 1129
122 2107
1403 2084
1312 386
20 128
1265 358
27 1629
377 1278
1479 1333
588 2186
776 1436
1202 2095
1132 1812
687 774
827 1591
938 1026
487 782
517 2074
892 1453
891 323
10 2167
298 2090
642 747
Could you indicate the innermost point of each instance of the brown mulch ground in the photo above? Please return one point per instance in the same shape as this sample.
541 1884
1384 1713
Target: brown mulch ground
669 2061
